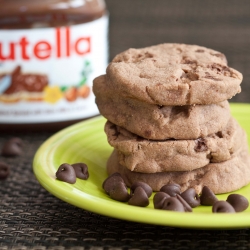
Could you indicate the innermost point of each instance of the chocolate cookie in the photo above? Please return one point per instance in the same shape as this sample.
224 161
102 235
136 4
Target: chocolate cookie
147 156
221 177
156 122
173 74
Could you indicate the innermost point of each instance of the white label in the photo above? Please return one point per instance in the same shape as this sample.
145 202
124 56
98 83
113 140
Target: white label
46 74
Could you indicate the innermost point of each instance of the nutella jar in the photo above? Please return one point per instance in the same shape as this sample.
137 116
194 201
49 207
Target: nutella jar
50 52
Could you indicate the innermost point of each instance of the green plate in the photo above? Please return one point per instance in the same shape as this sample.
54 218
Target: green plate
87 142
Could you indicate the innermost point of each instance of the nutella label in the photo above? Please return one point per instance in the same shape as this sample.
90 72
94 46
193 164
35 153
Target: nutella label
46 74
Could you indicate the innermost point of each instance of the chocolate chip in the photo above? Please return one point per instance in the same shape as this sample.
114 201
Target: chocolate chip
213 78
116 132
200 145
220 55
4 170
147 133
171 189
207 197
222 69
159 199
184 110
144 185
66 173
191 197
219 134
189 76
12 147
239 202
173 204
115 187
222 207
186 206
119 192
216 67
186 60
109 183
139 197
81 170
143 56
192 76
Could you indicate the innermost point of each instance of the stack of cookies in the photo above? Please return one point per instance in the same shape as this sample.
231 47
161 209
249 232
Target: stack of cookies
169 118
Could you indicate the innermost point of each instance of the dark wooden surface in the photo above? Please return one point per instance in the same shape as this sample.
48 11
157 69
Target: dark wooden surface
31 218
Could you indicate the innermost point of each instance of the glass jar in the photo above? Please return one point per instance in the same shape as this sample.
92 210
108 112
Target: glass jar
50 52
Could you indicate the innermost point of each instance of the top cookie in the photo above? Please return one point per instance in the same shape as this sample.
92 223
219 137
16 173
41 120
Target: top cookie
174 74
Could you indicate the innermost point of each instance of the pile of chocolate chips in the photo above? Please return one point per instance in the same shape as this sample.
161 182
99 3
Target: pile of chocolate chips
11 148
116 188
170 197
69 172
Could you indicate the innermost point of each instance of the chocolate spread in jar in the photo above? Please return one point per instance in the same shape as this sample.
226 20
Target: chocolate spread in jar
50 51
